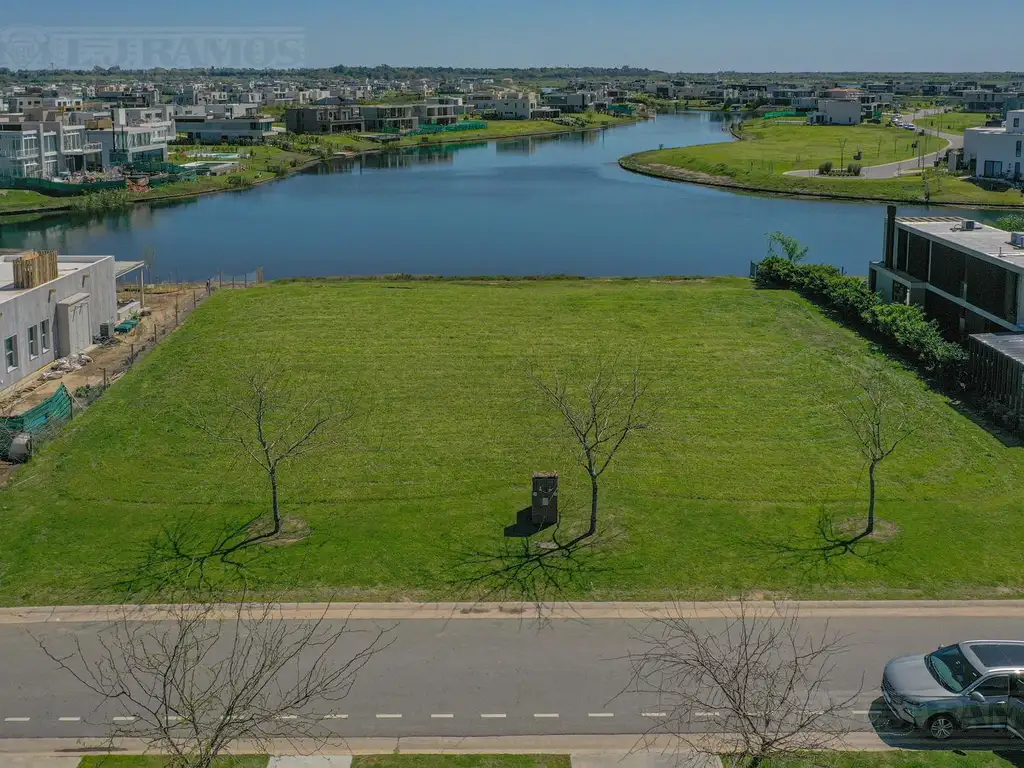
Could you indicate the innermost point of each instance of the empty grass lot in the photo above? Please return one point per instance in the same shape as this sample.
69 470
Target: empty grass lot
749 449
951 122
769 148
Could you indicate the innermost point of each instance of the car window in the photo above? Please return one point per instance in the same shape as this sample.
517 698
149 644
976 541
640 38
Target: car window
1017 685
951 668
994 686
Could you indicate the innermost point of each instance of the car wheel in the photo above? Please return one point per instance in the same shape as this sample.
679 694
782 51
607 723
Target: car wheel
941 727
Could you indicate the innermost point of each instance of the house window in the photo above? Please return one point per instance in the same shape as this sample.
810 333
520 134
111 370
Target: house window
11 352
993 168
1018 149
1016 122
44 333
33 342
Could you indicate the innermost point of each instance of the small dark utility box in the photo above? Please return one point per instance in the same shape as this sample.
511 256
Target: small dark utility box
544 509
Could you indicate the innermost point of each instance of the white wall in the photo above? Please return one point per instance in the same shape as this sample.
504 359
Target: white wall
840 112
30 308
988 145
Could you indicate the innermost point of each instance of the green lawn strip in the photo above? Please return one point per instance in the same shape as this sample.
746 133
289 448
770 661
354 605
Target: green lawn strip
749 451
770 148
896 759
23 199
159 761
461 761
951 122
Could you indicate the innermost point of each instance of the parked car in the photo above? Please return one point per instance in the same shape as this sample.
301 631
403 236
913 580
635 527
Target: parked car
976 684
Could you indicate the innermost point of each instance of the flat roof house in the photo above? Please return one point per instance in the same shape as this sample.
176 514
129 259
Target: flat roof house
836 112
324 119
229 124
54 311
996 153
389 118
44 149
965 275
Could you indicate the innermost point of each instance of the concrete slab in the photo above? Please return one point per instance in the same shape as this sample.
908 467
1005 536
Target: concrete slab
312 761
670 759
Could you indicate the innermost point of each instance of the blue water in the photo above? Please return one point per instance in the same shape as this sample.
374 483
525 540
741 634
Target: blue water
526 206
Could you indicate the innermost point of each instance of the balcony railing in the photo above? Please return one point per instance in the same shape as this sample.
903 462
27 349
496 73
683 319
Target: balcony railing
19 154
92 146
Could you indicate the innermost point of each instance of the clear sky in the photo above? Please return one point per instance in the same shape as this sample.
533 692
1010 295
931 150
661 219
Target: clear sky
673 35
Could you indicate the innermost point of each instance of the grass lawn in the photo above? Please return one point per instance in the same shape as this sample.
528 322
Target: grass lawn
771 147
900 759
260 163
951 122
748 452
461 761
22 199
157 761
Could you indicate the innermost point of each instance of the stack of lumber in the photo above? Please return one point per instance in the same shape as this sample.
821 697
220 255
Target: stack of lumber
34 269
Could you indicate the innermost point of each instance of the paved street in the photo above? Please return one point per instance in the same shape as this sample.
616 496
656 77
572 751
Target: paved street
473 677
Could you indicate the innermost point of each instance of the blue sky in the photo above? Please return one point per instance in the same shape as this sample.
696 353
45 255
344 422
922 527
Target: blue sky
674 35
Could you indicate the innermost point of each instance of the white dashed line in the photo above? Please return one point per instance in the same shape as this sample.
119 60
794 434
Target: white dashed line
16 719
861 712
124 719
653 714
443 717
69 719
546 714
287 717
335 717
707 714
600 714
494 715
387 717
174 718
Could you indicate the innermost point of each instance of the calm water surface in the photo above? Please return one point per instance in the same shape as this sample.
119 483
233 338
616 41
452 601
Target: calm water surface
546 205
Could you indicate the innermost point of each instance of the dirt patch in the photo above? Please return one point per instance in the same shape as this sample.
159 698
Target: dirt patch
293 530
885 530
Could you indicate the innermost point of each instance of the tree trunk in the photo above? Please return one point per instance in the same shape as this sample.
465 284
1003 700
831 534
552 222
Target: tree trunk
871 499
274 502
593 506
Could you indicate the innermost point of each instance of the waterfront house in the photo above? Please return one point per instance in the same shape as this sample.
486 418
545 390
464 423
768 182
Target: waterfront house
42 145
324 119
389 118
995 152
836 112
129 135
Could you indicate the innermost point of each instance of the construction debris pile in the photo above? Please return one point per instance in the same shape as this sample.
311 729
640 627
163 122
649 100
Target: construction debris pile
66 365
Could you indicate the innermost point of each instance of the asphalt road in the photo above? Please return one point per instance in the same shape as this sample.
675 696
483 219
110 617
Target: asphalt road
470 677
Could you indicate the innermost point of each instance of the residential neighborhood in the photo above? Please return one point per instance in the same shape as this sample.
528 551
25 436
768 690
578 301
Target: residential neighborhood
424 387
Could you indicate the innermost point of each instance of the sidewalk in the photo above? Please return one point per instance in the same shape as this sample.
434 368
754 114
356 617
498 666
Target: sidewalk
998 609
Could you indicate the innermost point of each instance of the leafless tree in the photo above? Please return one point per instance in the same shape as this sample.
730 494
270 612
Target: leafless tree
272 421
600 413
600 410
202 675
756 677
879 422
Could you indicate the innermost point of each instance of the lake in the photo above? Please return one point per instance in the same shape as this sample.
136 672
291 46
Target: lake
529 206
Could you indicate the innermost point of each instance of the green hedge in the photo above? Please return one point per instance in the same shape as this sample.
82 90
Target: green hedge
852 299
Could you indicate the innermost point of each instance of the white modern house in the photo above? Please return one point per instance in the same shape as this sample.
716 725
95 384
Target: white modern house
224 124
509 106
997 152
836 112
44 149
58 317
129 135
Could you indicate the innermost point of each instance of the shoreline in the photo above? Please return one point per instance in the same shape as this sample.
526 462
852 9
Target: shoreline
686 176
345 154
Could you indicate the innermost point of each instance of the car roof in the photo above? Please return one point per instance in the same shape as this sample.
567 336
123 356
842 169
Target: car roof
994 654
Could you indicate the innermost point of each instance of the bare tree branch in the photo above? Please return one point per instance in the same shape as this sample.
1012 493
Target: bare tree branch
762 680
211 674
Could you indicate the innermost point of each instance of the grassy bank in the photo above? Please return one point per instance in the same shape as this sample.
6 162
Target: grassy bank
951 122
769 148
749 451
159 761
900 759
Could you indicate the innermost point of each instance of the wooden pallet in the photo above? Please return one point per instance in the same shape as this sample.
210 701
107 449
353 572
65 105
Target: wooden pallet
34 269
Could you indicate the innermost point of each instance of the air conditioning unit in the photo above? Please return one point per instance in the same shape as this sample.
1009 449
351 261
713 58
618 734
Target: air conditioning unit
1017 239
969 225
105 329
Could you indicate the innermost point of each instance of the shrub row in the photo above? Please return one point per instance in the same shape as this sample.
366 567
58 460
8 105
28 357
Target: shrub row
852 299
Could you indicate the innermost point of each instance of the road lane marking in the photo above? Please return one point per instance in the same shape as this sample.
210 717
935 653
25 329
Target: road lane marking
600 714
493 715
443 716
653 714
16 719
287 717
707 714
861 712
124 719
69 719
335 717
381 716
545 714
174 718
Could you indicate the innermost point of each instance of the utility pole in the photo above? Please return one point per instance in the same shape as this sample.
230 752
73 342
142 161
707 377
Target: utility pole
842 152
